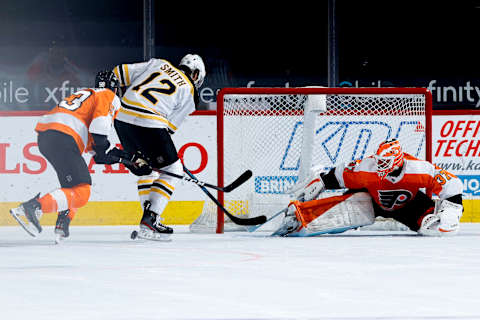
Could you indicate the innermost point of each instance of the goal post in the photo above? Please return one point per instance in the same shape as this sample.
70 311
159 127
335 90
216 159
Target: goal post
280 133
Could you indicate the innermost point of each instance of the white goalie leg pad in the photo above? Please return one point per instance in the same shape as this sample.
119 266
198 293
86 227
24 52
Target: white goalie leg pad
385 224
444 222
335 214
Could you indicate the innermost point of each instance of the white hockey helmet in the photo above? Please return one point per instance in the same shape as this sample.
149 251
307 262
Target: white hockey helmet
195 63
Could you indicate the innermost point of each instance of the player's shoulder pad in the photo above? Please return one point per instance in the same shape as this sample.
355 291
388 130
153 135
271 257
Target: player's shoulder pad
418 166
357 164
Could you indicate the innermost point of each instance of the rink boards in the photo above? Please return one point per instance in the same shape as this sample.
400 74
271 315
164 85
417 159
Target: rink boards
24 172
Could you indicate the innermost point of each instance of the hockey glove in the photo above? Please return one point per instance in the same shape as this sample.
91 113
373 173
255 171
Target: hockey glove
136 163
100 146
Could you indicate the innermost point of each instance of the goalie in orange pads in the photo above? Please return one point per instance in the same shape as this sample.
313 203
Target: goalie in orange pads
394 184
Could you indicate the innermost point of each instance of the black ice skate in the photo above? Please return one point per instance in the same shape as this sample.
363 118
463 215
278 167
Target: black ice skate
28 215
62 226
151 227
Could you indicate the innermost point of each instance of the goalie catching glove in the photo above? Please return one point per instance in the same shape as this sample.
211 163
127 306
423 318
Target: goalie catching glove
444 222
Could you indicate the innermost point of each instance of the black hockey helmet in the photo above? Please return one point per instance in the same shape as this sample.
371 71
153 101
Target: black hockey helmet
106 79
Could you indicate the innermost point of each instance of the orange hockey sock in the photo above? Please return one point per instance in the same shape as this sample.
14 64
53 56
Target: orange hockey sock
48 203
65 198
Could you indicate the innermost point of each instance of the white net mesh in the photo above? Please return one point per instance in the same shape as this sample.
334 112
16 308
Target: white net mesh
273 135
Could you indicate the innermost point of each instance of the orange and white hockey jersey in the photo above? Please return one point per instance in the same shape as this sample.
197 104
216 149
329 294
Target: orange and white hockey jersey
393 193
84 112
158 94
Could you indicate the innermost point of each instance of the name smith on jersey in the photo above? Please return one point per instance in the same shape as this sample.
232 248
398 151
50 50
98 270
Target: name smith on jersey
173 74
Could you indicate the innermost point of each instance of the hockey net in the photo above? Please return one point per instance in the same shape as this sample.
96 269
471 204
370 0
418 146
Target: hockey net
280 133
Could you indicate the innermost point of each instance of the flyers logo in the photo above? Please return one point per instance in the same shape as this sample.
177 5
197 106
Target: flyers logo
391 198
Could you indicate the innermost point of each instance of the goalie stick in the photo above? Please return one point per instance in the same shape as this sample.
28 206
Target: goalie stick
240 221
255 228
235 184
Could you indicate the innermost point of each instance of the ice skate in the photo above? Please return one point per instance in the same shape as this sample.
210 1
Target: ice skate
151 227
28 215
62 226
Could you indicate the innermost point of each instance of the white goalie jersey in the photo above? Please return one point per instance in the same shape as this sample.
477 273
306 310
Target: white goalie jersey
158 94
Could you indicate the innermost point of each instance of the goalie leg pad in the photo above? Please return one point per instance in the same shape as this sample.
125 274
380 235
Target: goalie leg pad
333 214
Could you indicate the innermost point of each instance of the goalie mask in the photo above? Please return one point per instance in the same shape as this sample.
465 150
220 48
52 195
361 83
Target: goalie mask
195 64
388 157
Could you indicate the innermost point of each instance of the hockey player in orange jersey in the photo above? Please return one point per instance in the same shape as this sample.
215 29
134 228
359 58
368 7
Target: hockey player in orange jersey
79 123
398 186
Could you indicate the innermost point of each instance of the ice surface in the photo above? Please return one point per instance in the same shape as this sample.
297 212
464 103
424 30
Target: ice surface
99 273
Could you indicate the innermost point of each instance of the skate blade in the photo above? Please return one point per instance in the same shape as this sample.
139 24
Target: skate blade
23 222
59 238
149 235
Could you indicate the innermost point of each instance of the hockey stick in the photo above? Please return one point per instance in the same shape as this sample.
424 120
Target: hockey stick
254 228
240 221
191 178
235 184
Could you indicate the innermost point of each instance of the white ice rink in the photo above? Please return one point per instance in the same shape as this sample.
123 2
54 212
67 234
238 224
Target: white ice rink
99 273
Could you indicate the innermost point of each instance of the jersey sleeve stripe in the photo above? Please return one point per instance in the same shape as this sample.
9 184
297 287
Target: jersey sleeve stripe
69 121
118 70
122 75
127 76
117 74
148 113
126 103
155 118
62 128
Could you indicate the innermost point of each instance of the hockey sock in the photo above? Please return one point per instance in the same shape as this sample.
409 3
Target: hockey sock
72 213
163 187
144 186
160 194
65 198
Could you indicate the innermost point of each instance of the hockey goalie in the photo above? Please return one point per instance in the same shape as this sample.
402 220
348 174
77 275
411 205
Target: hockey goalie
390 184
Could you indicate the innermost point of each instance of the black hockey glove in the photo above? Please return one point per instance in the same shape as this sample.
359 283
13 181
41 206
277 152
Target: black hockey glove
136 163
100 146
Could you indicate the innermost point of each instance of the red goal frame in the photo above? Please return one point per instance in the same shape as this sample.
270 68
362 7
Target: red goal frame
310 90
